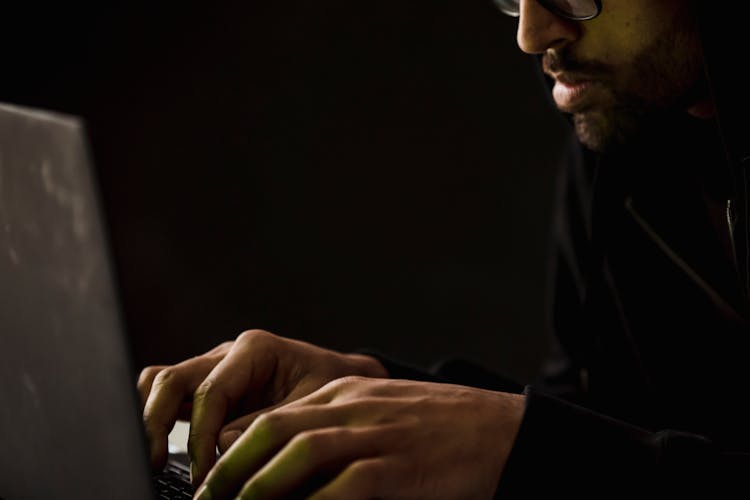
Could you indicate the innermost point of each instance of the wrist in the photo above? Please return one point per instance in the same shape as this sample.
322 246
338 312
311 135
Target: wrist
509 414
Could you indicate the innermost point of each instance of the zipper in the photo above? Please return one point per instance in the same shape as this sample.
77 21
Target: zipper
678 261
731 222
746 221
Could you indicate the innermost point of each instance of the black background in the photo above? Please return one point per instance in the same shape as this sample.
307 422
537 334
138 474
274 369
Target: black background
354 174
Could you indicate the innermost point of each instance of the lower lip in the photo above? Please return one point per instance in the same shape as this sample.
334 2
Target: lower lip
570 96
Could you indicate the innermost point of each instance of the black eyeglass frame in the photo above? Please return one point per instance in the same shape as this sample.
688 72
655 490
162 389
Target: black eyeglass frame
550 6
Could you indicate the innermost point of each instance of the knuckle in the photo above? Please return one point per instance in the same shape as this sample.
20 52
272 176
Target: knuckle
346 382
153 423
205 390
255 336
148 420
354 379
167 377
310 442
221 347
147 375
219 353
365 473
150 371
195 436
269 423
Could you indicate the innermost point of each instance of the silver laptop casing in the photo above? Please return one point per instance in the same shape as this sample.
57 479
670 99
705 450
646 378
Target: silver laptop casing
70 422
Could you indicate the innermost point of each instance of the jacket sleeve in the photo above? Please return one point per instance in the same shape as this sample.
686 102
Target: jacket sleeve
563 449
450 371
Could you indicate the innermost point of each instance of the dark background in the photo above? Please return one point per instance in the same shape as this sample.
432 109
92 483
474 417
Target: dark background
354 174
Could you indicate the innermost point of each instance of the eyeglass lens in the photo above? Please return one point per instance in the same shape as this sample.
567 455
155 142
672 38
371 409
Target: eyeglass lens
572 9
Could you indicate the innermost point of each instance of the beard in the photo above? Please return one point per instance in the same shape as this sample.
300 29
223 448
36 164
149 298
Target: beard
666 76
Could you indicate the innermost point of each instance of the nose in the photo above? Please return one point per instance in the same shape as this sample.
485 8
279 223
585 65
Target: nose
539 29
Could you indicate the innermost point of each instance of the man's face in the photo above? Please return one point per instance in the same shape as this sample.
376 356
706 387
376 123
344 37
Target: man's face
638 57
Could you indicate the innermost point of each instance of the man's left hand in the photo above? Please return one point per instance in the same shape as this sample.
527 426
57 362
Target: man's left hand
373 438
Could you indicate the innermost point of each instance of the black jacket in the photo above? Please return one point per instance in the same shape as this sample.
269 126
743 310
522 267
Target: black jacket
645 391
650 308
646 387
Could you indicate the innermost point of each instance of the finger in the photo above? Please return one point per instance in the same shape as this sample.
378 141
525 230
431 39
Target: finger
170 387
232 431
146 380
262 440
312 456
357 414
244 372
364 479
304 394
147 375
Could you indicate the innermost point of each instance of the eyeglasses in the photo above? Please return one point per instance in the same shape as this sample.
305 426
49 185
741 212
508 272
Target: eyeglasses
575 10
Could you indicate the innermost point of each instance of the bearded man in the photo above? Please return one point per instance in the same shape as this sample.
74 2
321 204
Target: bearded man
644 391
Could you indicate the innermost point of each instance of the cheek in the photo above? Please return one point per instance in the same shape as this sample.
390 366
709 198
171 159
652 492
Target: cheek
624 45
623 31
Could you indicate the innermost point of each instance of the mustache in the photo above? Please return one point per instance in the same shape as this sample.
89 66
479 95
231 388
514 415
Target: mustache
556 62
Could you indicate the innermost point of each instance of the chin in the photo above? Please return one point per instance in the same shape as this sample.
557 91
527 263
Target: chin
603 131
593 131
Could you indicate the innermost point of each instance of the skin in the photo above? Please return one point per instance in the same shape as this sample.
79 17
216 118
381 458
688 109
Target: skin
641 56
290 418
373 438
307 413
222 391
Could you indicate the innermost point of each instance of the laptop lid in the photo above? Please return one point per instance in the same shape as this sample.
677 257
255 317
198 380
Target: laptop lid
69 415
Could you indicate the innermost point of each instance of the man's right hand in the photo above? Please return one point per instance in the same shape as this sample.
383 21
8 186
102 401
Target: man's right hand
224 390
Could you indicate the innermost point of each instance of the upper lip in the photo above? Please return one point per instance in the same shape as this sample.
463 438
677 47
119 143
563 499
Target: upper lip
569 79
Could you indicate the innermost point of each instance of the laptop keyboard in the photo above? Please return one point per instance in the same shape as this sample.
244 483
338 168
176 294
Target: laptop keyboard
173 483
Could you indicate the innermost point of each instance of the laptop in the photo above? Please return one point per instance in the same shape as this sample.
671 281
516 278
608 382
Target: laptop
70 418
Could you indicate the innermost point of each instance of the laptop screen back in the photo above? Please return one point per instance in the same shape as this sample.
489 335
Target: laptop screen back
69 417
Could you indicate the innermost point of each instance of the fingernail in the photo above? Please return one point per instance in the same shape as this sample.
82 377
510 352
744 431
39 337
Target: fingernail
203 494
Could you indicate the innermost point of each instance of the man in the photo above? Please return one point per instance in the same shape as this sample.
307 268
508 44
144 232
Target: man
644 391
